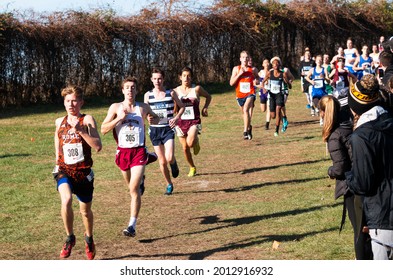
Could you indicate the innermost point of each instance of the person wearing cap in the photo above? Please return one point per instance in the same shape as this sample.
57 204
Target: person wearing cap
371 175
275 79
244 78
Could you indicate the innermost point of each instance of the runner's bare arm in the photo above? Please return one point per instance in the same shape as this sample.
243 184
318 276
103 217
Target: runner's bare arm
236 73
57 122
90 134
202 92
179 109
112 118
148 113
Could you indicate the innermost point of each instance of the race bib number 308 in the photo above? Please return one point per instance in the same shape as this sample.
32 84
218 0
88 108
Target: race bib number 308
73 153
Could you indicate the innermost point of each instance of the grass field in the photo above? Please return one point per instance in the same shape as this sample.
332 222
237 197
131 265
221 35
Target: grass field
246 195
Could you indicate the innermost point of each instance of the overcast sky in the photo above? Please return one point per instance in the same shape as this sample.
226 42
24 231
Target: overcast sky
121 7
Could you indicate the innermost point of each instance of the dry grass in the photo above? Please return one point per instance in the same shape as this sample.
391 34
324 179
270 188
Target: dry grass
247 194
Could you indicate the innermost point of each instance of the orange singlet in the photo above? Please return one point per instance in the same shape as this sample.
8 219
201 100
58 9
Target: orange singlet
245 84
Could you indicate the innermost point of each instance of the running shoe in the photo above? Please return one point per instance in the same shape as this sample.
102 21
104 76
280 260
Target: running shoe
151 157
130 231
249 133
142 185
284 124
174 169
169 189
275 134
245 135
197 148
67 247
90 248
312 112
192 172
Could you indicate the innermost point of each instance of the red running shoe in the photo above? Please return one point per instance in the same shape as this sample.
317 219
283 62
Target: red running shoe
67 247
90 248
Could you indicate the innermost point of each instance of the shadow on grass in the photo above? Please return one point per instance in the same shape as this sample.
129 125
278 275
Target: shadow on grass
227 223
253 242
14 155
301 123
258 169
257 186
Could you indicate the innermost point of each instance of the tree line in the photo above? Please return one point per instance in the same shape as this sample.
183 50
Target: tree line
40 55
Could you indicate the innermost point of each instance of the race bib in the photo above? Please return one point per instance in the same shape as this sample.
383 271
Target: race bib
129 139
245 87
163 115
73 153
318 83
275 87
188 114
340 85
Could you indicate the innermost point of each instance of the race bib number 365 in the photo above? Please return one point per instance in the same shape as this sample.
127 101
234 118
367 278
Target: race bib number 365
129 139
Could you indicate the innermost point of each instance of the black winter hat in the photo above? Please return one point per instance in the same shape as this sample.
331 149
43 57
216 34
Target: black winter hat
364 94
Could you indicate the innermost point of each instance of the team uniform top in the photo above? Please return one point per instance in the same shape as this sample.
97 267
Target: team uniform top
164 108
286 91
130 132
305 66
74 152
349 54
276 84
318 89
340 80
261 78
191 106
245 84
367 62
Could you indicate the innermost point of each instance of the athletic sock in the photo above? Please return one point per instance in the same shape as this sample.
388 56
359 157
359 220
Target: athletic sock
277 128
71 237
89 239
132 222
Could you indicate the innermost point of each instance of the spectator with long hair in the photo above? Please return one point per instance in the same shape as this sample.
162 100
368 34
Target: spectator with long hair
337 128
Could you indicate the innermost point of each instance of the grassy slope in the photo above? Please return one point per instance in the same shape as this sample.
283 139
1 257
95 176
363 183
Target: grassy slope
247 193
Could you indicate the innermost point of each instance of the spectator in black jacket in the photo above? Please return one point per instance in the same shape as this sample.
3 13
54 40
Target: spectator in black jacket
337 129
371 175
